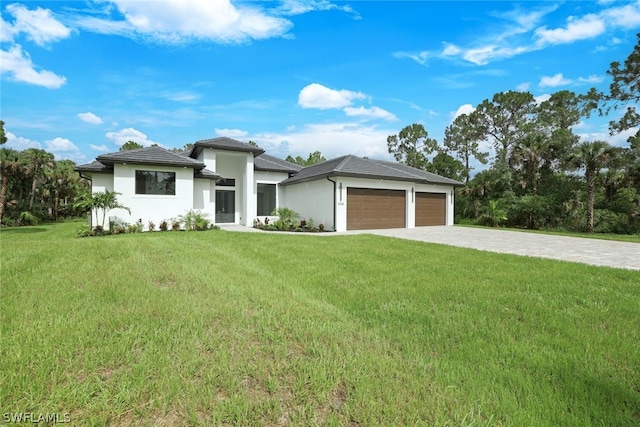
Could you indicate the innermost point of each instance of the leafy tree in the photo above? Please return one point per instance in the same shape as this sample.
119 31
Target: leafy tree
555 119
252 143
314 158
9 164
412 146
624 90
130 145
444 164
462 137
592 156
3 137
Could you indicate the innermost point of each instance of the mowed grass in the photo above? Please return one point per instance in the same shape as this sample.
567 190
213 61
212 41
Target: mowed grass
223 328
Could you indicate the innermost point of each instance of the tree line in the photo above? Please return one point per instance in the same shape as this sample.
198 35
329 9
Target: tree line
541 174
35 187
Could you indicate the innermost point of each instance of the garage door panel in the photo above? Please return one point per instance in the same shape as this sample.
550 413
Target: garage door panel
431 209
369 208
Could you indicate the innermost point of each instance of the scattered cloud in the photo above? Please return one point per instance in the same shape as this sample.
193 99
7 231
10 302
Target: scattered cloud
297 7
554 81
101 148
38 24
62 148
371 113
19 143
90 118
592 79
331 139
130 134
180 21
521 32
231 133
17 64
318 96
181 96
586 27
617 140
541 98
463 109
523 87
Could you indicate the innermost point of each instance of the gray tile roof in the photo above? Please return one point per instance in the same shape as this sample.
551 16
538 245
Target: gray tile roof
94 167
155 155
206 174
354 166
224 143
265 162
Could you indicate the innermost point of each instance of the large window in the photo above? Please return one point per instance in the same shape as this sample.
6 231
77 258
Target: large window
155 182
266 199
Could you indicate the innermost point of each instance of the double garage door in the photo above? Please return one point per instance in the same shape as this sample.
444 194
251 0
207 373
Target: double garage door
369 208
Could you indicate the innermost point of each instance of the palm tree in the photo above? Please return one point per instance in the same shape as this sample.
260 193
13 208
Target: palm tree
37 161
592 156
9 165
104 201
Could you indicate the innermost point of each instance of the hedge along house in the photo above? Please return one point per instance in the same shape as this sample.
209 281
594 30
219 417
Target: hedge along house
235 183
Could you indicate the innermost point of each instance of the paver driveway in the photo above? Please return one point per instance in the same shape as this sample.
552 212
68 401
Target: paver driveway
576 249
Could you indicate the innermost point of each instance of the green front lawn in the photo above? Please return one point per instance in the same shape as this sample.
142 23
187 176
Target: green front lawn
210 328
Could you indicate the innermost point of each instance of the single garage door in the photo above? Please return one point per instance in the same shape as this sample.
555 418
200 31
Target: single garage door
430 209
369 208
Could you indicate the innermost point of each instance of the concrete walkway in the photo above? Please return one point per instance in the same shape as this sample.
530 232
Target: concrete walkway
576 249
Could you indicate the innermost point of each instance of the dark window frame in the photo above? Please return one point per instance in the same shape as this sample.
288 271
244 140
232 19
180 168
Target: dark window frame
155 183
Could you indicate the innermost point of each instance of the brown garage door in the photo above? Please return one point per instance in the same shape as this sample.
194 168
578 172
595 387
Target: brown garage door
430 209
369 208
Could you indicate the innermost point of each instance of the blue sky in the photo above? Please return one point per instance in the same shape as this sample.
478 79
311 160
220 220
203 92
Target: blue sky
80 78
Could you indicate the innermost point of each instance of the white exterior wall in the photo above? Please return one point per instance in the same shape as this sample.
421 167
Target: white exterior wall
311 200
100 182
204 197
151 207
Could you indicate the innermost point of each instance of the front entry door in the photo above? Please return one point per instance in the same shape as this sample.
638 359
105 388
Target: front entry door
225 206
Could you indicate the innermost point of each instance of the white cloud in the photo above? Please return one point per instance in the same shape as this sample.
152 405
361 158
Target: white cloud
554 81
178 21
627 16
297 7
182 96
62 148
18 65
585 27
617 140
592 79
463 109
130 134
231 133
60 144
420 57
372 113
331 139
39 25
482 55
318 96
541 98
523 87
19 143
90 118
102 148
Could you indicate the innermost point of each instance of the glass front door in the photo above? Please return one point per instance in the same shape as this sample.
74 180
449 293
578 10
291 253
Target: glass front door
225 206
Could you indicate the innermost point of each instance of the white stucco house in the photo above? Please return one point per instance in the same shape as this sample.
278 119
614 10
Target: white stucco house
234 182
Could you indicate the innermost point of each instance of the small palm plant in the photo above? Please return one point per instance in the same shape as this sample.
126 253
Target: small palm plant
494 214
194 220
286 218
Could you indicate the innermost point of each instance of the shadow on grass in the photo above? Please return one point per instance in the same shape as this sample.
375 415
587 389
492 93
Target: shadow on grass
24 230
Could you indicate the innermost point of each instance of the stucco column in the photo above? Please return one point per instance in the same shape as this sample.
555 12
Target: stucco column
249 194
